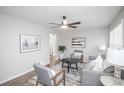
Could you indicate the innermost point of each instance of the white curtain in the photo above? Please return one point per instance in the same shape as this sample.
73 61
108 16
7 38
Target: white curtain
116 36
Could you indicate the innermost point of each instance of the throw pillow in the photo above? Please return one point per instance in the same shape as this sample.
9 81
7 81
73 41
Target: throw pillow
52 73
77 55
106 64
96 64
109 70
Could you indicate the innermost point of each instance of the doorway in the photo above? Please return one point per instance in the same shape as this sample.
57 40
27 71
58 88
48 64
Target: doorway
53 48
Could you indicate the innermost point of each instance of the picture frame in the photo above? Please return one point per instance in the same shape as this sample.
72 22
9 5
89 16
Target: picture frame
29 43
78 42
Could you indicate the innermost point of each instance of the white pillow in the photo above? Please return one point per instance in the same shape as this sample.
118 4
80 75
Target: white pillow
106 64
90 66
99 62
52 73
77 55
96 64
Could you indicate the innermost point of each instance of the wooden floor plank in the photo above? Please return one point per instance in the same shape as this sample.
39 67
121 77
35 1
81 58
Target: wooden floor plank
19 81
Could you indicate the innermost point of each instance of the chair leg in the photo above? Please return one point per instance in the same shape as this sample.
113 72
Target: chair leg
64 78
37 82
68 67
62 64
76 66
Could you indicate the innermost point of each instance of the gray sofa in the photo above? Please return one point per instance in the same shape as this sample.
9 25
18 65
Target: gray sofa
90 78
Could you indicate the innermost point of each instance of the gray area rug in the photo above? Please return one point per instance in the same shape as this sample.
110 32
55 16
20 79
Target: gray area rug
71 79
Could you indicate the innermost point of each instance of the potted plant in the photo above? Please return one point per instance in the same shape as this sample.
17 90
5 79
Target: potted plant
61 48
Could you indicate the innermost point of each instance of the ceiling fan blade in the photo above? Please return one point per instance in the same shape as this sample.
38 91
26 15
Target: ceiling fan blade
72 26
56 26
75 23
55 23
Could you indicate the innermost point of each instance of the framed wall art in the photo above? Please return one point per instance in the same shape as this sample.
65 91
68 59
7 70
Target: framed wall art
29 43
78 42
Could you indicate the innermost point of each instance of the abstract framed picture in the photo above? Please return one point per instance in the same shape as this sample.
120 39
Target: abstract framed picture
78 42
29 43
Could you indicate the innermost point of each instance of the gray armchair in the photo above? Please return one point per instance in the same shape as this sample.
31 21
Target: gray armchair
78 54
47 76
90 78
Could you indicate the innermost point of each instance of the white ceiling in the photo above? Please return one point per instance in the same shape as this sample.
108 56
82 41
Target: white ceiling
90 16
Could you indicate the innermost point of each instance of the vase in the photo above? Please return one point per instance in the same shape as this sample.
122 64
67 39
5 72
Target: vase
61 55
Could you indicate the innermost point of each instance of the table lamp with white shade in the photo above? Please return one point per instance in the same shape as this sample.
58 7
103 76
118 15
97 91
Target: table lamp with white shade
102 49
116 57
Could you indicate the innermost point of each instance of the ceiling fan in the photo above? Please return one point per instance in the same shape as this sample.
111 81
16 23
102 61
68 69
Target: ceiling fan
65 24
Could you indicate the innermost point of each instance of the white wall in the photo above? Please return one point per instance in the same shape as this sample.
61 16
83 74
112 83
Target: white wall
12 62
119 18
94 38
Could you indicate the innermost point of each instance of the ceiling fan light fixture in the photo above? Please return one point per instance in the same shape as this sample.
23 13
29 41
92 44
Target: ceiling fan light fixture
64 26
64 22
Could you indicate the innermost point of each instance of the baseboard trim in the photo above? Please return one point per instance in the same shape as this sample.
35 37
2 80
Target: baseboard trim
16 76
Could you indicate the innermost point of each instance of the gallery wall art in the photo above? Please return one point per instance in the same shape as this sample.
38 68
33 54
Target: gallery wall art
29 43
78 42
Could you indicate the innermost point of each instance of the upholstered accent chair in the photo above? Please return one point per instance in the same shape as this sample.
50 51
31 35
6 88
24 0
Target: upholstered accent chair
47 76
77 54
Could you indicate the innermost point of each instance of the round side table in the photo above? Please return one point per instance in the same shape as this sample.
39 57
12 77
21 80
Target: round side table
110 81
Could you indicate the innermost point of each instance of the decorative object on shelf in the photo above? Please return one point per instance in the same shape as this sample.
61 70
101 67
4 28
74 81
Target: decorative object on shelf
78 42
102 49
116 57
29 43
61 48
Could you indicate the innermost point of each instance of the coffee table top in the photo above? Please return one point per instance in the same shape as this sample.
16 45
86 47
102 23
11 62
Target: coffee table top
72 60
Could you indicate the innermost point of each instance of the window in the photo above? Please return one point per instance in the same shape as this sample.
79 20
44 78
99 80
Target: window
116 37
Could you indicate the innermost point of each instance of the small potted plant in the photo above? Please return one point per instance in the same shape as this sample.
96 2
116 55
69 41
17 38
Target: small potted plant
61 48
